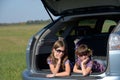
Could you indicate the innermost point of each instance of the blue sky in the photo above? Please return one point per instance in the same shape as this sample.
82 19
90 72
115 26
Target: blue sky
12 11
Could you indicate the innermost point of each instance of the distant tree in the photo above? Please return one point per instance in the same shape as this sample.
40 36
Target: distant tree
38 21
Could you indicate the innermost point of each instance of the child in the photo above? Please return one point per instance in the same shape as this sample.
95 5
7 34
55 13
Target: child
83 62
58 60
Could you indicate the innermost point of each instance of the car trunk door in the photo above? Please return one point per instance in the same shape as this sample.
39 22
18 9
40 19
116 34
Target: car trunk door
67 7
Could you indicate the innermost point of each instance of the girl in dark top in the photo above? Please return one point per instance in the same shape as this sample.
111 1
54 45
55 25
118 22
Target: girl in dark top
83 63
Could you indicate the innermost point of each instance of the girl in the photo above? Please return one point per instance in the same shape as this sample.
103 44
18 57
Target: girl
83 62
58 60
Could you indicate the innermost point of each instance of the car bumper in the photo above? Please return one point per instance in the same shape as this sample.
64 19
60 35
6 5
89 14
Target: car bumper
26 75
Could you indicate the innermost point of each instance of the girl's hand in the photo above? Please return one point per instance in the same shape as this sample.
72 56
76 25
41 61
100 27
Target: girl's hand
50 75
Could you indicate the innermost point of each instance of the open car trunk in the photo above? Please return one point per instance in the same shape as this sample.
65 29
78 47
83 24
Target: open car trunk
87 29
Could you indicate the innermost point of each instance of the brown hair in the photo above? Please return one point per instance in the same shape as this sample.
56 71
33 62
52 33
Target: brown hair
57 44
83 50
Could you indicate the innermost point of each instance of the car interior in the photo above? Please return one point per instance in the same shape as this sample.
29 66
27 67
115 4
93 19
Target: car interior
93 31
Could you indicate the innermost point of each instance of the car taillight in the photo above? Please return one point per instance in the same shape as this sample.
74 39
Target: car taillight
114 41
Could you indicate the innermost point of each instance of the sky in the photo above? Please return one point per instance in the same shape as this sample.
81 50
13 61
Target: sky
14 11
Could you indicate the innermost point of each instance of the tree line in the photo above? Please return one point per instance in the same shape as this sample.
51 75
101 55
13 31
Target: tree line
29 22
38 21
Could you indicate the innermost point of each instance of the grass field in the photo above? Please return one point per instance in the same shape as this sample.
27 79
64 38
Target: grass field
13 42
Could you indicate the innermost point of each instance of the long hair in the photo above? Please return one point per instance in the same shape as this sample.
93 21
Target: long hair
57 44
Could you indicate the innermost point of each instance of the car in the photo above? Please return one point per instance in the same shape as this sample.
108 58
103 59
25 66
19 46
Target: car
93 22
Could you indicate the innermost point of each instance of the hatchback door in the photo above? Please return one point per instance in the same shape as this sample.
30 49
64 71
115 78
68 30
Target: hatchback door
67 7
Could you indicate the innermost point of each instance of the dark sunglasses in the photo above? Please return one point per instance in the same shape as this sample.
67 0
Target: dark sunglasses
83 54
59 51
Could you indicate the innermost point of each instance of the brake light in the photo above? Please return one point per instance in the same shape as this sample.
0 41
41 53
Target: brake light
114 41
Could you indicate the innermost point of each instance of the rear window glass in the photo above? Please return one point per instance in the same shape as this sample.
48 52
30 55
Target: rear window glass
88 22
108 26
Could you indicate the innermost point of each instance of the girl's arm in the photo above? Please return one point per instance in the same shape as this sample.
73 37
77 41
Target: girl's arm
66 72
86 69
53 69
76 70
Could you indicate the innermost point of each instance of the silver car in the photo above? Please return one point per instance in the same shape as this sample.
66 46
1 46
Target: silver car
93 22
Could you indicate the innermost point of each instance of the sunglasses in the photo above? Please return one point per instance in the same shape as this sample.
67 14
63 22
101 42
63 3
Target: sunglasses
59 51
83 54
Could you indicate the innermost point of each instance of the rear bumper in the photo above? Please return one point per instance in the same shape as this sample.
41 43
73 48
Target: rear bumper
26 75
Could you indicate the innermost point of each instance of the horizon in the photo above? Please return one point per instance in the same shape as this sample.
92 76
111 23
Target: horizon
26 21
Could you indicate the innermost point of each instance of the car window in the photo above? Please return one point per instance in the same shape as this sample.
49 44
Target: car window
83 27
106 26
88 22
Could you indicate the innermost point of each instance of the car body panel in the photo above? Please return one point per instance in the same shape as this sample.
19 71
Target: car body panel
26 76
114 65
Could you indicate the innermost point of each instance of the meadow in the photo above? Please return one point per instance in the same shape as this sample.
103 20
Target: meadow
13 43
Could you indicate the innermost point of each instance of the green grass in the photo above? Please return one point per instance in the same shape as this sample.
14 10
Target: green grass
13 42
